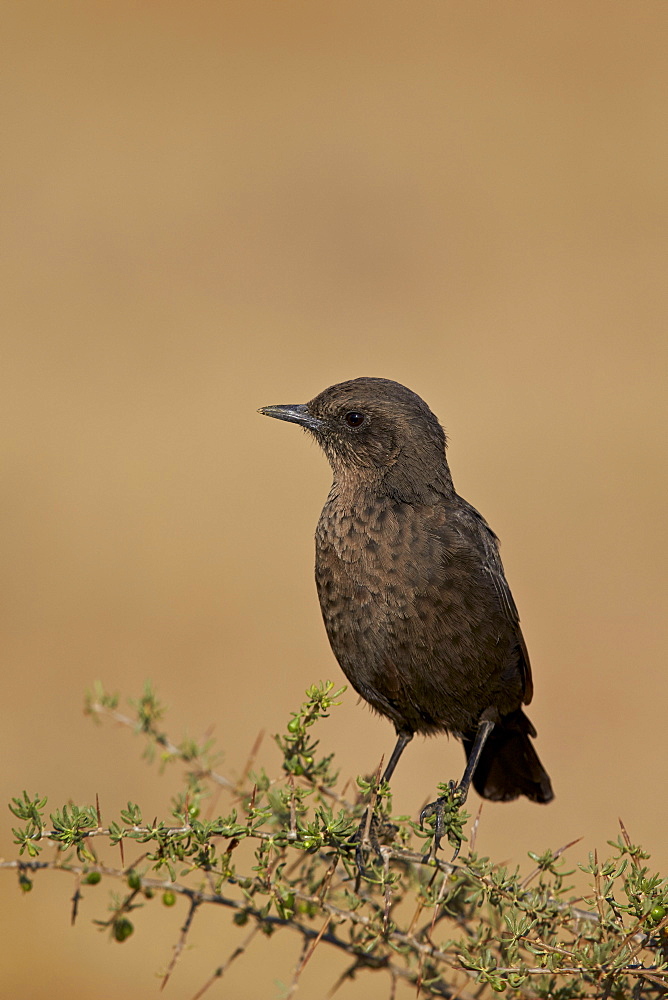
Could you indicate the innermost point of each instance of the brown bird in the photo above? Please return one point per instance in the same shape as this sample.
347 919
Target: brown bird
412 588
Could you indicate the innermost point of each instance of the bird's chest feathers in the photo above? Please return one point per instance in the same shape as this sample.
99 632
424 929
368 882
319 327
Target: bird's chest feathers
377 546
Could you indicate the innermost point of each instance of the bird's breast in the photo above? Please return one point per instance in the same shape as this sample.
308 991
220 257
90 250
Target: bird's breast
385 549
410 615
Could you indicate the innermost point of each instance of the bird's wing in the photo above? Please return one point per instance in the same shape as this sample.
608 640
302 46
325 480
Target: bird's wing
493 567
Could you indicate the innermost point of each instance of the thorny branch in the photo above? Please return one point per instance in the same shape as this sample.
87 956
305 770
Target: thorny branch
283 860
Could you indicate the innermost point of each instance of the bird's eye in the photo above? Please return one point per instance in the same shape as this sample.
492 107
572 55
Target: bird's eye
354 418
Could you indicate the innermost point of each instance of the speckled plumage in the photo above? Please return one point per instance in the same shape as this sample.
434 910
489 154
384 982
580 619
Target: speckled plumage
411 585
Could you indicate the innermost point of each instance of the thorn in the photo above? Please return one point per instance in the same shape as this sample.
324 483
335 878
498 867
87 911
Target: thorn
474 828
75 899
251 757
627 839
293 807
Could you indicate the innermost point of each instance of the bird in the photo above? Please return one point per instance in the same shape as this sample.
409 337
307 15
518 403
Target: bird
413 592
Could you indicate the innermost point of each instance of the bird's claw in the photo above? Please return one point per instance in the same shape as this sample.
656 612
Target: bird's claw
366 839
438 809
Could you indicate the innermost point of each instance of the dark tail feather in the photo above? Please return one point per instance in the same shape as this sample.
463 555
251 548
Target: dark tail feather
509 765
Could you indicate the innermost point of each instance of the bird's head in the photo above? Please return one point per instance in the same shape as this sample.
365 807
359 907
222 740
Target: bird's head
368 427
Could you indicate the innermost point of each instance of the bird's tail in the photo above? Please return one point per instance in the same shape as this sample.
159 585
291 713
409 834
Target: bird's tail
509 766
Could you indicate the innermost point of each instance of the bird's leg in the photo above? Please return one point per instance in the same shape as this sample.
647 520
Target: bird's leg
458 792
403 739
367 830
484 729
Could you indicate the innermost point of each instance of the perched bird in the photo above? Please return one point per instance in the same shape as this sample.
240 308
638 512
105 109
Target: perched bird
412 589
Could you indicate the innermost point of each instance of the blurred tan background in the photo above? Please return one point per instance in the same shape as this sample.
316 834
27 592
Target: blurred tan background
212 206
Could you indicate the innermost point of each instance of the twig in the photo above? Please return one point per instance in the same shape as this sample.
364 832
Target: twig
171 748
180 944
306 956
557 854
222 969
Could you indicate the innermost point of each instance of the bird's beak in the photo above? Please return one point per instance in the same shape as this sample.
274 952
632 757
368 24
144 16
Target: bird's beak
295 413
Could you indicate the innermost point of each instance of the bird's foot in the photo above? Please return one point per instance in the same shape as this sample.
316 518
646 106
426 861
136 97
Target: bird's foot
367 839
448 819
